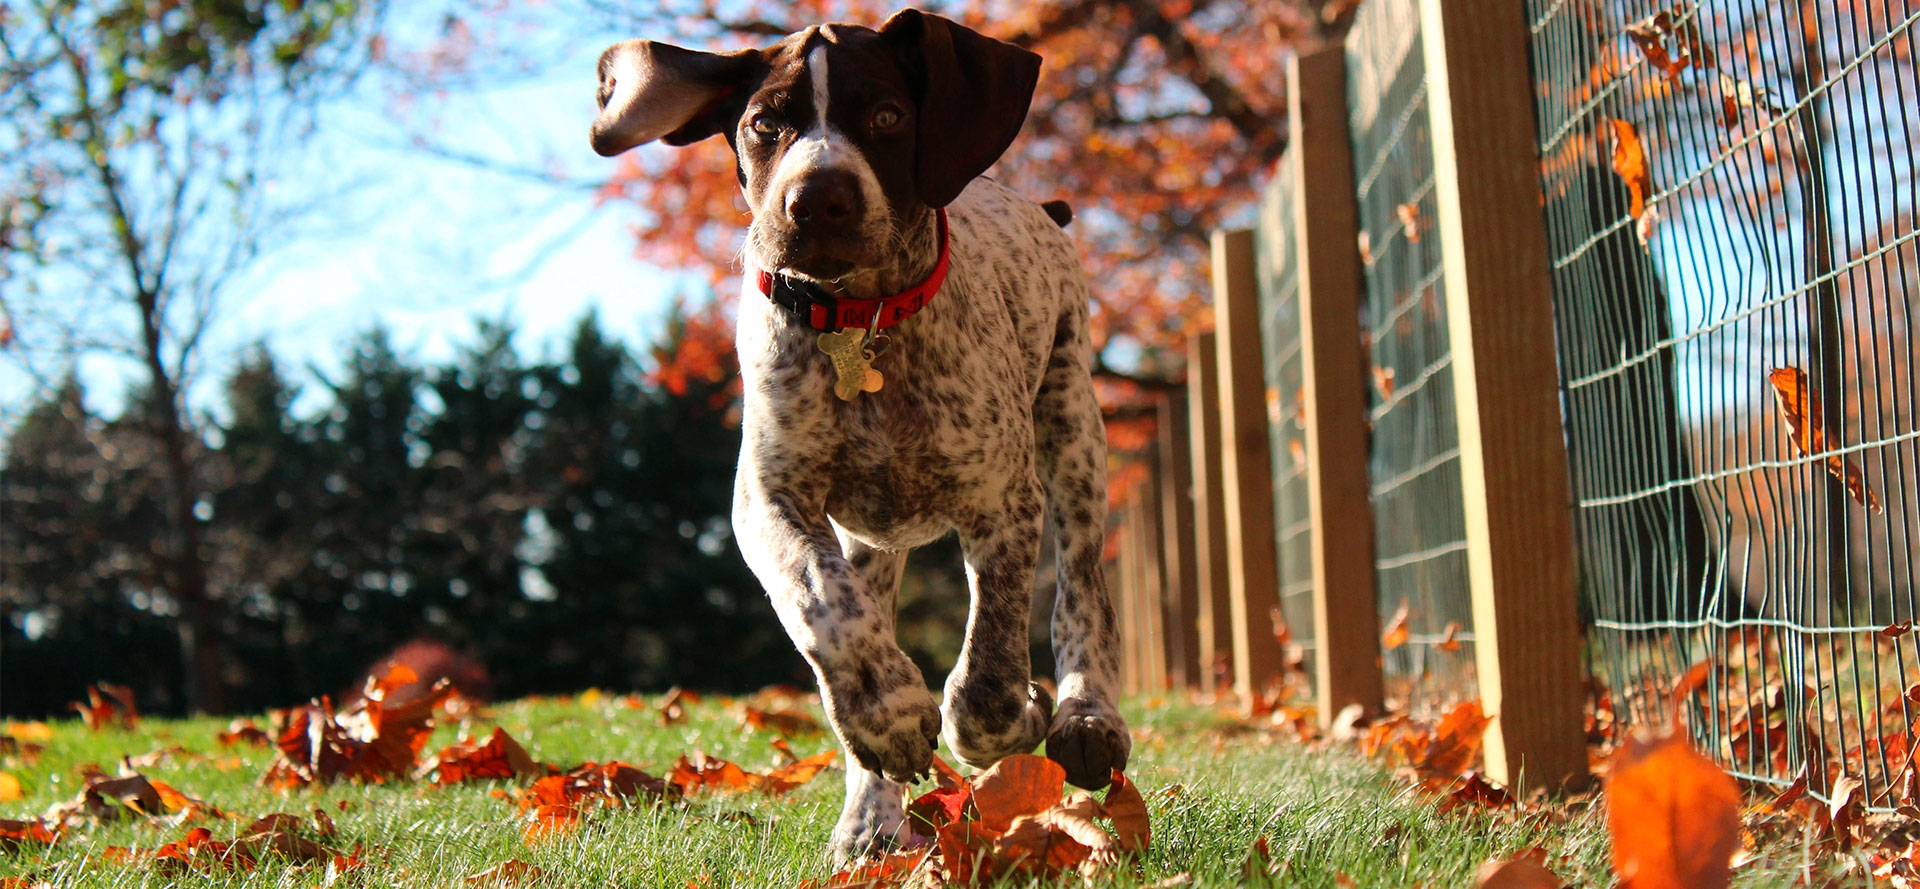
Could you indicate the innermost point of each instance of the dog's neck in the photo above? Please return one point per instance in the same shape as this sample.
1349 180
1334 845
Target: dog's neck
910 260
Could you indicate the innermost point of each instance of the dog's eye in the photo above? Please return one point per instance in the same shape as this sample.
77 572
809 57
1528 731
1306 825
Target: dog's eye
765 126
886 117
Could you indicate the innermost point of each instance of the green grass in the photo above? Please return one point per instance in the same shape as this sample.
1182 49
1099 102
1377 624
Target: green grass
1326 812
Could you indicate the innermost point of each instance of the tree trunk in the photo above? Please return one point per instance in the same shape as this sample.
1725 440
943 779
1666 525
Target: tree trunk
186 574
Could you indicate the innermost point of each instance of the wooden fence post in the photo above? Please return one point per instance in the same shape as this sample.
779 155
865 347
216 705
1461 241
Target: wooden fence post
1246 470
1513 458
1124 584
1346 616
1212 598
1180 598
1146 512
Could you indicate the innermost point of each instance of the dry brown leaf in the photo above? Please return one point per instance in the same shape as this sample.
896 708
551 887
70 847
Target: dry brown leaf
1689 48
1526 869
1895 631
14 834
1673 814
1397 631
511 872
1800 408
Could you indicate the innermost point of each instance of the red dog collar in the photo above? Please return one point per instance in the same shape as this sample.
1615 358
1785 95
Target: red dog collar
824 311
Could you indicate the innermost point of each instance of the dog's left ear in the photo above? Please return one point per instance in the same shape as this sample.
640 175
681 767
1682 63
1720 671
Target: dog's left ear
973 91
654 90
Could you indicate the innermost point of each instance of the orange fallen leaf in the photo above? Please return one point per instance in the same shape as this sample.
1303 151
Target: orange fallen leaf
1397 632
497 757
1630 161
1022 784
244 731
370 741
1455 743
1450 638
1800 408
1673 814
14 834
556 804
1129 814
785 722
1897 630
108 706
792 775
9 788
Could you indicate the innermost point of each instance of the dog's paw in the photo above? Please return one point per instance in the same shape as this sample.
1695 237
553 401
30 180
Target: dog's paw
894 735
979 746
1089 740
872 823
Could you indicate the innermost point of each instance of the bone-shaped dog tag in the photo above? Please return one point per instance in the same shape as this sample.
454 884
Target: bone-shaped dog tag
852 362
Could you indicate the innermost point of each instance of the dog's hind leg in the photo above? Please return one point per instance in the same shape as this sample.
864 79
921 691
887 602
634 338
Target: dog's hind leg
1087 737
992 708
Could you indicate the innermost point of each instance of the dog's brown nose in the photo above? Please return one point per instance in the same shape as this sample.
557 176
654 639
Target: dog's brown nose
826 197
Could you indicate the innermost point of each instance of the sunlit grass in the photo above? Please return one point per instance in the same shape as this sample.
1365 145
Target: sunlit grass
1212 787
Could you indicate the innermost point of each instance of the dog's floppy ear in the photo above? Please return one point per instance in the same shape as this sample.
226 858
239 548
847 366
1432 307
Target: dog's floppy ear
974 92
654 90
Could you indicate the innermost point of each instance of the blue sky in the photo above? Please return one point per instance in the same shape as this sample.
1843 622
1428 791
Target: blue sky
424 245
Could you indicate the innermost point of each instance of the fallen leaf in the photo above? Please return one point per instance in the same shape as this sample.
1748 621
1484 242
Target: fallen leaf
938 808
1630 162
244 731
792 775
1673 814
1800 408
1526 869
785 722
497 757
1456 741
369 741
108 706
1897 630
14 834
1022 784
511 872
557 803
1397 631
1129 813
1450 638
9 788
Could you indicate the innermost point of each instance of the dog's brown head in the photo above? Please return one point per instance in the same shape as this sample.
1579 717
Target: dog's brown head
843 136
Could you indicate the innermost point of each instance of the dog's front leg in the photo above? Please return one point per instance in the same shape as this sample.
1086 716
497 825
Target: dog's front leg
876 699
992 707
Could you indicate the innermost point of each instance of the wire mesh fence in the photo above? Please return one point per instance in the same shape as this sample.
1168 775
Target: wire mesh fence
1414 466
1731 200
1279 282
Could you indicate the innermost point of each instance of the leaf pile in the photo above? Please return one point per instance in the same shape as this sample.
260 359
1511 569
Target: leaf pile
1009 821
369 741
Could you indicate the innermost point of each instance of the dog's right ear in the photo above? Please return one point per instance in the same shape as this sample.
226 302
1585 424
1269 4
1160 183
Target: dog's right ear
654 91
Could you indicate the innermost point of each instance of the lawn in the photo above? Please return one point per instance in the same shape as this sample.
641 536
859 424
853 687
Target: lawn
1213 787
